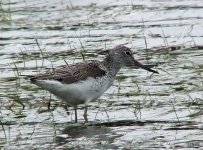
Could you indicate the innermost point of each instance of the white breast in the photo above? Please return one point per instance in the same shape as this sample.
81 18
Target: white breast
80 92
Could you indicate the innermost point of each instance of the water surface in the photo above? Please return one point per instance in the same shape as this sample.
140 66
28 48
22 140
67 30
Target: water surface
140 111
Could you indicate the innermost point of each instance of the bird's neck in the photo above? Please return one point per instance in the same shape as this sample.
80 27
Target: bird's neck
112 64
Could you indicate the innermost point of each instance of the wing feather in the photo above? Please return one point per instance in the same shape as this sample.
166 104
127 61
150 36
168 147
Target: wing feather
73 73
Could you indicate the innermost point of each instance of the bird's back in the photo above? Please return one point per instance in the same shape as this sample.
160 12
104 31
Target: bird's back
72 73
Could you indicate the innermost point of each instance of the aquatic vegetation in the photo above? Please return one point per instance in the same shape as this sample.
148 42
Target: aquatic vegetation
140 111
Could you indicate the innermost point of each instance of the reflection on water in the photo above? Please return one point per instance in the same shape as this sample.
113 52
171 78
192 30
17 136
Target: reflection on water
99 136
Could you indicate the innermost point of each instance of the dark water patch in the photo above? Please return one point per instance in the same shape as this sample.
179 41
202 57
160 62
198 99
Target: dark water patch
138 7
138 93
183 7
180 88
7 123
166 48
84 24
100 136
88 131
198 113
194 144
14 28
9 79
197 47
58 27
121 77
4 38
152 26
18 116
185 128
136 123
3 44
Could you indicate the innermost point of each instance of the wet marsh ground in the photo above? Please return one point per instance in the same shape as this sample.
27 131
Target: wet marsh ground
140 111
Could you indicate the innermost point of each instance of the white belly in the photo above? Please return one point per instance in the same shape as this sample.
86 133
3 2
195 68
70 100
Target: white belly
78 93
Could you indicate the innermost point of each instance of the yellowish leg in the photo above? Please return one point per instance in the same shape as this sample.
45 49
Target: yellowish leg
85 114
76 119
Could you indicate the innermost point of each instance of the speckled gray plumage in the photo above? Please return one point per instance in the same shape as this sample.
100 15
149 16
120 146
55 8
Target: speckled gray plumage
72 73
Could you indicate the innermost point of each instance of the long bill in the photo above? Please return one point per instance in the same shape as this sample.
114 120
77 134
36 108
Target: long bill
143 66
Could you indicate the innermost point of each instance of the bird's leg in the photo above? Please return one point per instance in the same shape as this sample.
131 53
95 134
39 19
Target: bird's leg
76 119
85 113
49 104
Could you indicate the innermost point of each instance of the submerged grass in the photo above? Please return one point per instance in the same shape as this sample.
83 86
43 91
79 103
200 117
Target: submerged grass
82 51
147 98
5 14
15 96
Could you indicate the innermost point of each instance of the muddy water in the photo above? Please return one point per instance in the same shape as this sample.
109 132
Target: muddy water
140 111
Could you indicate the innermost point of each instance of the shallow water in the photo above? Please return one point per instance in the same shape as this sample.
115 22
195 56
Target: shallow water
140 111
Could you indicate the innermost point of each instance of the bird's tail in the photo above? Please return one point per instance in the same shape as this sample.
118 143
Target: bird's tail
30 77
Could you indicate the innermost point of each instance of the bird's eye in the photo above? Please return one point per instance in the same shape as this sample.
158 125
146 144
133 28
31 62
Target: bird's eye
128 53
